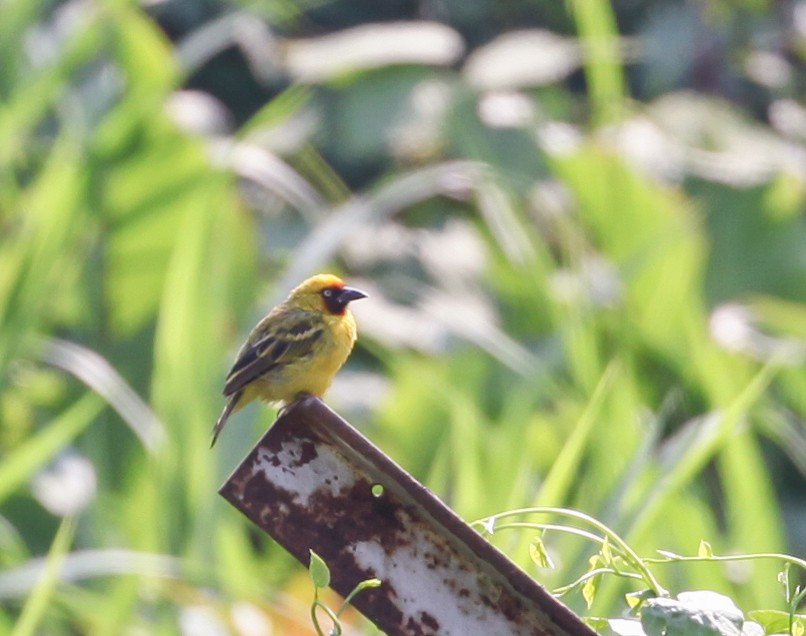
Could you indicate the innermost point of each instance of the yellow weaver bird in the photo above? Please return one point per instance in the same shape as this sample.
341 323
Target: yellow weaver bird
296 349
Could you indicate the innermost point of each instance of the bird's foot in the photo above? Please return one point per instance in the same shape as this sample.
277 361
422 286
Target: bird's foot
298 398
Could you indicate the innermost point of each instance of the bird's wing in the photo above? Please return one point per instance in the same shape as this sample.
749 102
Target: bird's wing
285 338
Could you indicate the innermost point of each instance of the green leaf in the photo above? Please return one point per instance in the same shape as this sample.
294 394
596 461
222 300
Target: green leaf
775 621
320 573
597 28
701 613
589 589
38 246
143 51
368 584
539 554
705 549
597 623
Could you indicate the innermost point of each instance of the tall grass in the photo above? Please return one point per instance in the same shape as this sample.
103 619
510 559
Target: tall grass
576 362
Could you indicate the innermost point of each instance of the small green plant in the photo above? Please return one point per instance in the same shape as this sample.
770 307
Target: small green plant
789 622
320 575
703 613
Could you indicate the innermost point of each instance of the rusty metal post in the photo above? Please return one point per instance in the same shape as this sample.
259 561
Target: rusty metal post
313 482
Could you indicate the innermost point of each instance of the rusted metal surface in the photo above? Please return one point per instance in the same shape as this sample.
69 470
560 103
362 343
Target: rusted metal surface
312 483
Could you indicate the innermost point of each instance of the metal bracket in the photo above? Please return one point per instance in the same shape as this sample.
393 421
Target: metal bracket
313 482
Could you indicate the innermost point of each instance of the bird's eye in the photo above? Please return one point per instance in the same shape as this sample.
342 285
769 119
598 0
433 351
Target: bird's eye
327 293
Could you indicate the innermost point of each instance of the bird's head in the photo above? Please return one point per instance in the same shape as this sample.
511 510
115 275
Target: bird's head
324 292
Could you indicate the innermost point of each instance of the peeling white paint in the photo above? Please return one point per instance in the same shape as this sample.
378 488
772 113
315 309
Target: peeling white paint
439 587
327 471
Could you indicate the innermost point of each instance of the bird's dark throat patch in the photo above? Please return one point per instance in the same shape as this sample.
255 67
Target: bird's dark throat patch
331 297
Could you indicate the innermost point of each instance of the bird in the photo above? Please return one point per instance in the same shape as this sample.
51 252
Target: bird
296 349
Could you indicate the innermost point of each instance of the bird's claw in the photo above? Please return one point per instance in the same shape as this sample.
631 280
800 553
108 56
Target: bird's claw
300 397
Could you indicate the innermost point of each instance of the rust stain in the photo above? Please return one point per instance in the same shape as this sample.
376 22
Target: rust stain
311 484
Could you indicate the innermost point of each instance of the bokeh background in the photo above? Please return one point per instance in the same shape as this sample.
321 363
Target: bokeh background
581 225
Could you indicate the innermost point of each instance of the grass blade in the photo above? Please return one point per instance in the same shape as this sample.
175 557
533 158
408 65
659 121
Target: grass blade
40 598
20 464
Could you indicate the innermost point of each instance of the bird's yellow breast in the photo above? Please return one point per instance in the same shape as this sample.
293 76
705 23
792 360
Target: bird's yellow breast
310 374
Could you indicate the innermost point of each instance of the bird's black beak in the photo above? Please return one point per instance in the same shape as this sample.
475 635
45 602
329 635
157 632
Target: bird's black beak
337 298
348 294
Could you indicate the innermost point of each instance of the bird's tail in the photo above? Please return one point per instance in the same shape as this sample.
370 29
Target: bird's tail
232 402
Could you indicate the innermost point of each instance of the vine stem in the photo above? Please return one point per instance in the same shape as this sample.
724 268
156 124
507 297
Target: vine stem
330 614
671 557
488 523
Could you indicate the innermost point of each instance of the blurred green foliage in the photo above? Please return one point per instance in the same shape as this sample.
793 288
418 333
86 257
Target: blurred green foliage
581 225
